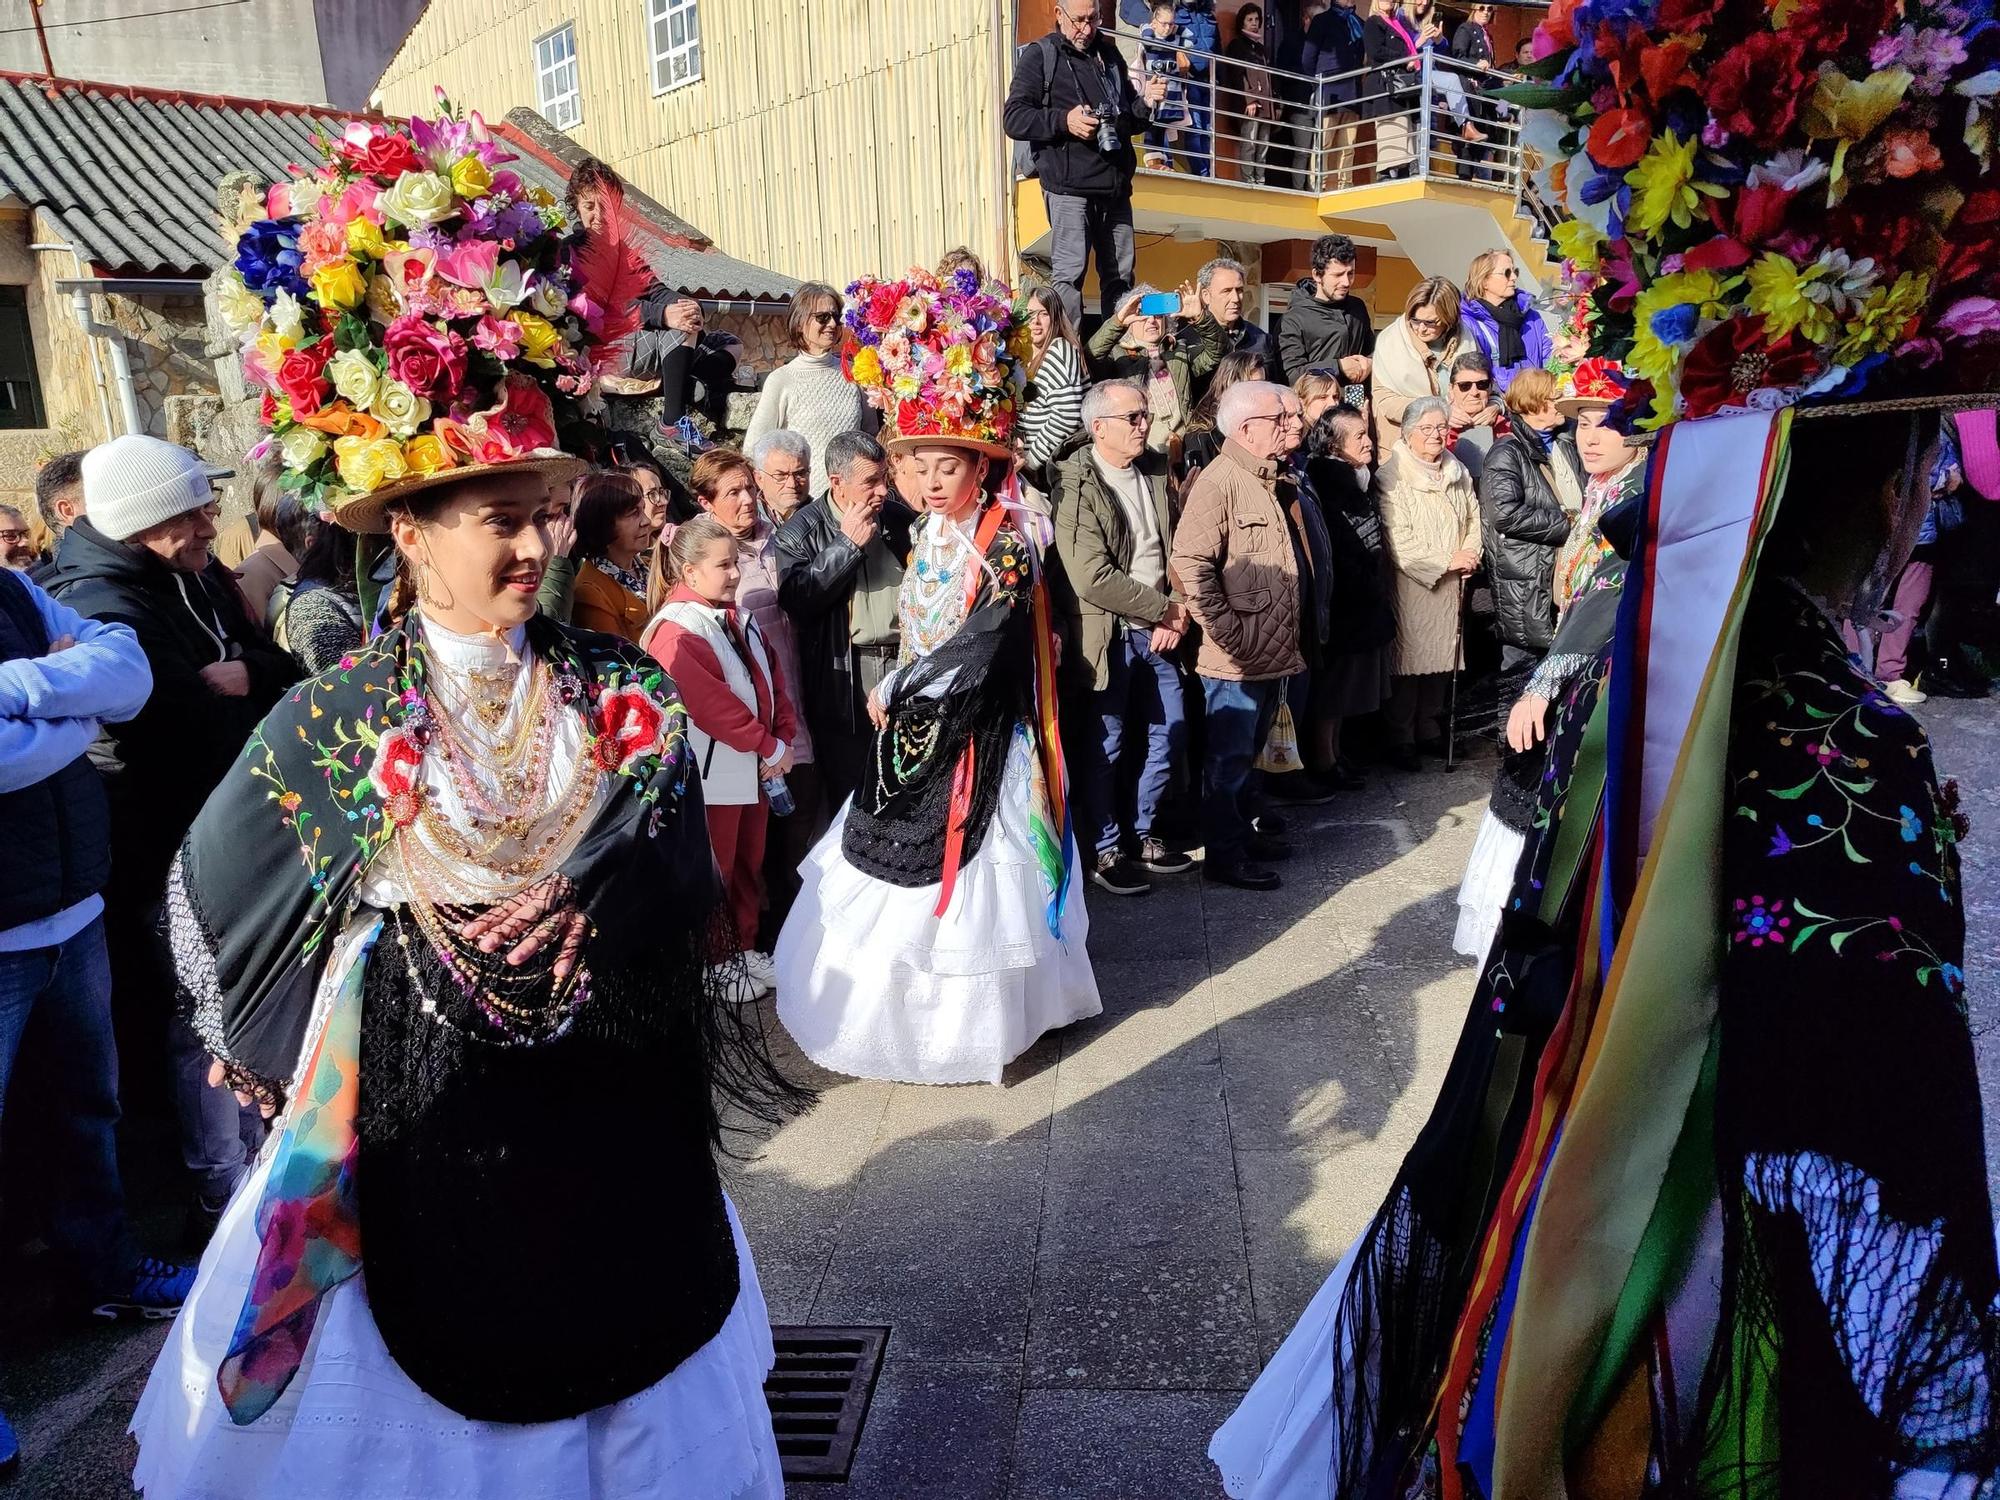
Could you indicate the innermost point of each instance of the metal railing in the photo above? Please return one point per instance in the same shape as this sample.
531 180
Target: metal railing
1430 116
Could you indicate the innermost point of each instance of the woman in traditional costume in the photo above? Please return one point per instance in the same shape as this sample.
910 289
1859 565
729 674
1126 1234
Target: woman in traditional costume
447 921
939 930
1702 1209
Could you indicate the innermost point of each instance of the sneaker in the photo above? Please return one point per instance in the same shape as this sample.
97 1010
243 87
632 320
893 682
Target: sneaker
1158 858
1905 693
763 971
733 983
155 1289
1118 875
10 1450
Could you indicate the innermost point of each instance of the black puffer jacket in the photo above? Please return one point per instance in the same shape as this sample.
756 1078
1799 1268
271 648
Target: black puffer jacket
160 766
1322 333
1363 619
1523 522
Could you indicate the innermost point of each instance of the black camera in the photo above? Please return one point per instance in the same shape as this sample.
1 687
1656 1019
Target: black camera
1107 129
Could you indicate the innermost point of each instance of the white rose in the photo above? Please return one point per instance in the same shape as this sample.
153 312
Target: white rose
354 377
241 308
548 298
288 317
418 198
301 448
400 409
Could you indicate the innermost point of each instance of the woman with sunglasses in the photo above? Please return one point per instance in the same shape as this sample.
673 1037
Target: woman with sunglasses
810 395
1412 354
1503 320
1472 43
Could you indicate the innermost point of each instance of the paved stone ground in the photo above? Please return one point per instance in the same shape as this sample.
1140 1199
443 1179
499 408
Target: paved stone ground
1084 1269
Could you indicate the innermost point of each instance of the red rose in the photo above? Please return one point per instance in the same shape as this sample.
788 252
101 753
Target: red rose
882 305
396 774
630 725
1732 362
301 377
267 408
388 156
1755 90
430 360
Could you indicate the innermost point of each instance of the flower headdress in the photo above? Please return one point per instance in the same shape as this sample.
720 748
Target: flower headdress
1776 201
409 311
941 359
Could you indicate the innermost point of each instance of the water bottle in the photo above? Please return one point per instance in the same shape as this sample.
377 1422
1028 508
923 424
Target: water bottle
779 793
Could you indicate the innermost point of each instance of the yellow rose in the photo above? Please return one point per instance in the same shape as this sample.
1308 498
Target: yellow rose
538 337
241 308
418 198
340 285
355 377
366 464
271 348
364 237
301 448
470 178
401 409
427 454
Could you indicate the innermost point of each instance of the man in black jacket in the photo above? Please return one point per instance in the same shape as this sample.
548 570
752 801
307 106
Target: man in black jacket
840 568
140 558
1327 326
1074 103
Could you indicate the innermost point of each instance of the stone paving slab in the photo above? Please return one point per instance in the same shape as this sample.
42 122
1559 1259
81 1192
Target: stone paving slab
1118 1445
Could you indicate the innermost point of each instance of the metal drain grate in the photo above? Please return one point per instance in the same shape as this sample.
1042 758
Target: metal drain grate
819 1392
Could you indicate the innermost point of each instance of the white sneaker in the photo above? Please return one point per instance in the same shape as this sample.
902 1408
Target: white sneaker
1905 693
763 971
733 982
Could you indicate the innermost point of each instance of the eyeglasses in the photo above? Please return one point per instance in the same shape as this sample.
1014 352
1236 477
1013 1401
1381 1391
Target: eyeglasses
1129 418
786 476
1427 322
1429 429
13 537
1472 385
1081 23
826 318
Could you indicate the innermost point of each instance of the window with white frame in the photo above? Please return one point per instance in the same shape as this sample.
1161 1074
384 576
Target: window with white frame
557 94
675 28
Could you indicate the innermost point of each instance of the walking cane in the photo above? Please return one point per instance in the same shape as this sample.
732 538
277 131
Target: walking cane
1451 691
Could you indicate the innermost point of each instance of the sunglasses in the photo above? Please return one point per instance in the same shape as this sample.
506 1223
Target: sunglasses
1472 385
1427 322
1129 418
825 318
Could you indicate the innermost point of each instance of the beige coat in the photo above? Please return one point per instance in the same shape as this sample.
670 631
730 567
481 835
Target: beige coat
1404 370
1233 557
1427 515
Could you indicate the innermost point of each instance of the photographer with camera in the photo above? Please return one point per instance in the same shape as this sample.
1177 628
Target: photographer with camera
1073 102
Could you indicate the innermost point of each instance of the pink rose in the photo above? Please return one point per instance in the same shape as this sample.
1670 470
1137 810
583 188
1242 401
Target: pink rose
428 359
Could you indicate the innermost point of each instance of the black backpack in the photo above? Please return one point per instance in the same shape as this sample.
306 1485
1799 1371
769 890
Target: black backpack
1024 151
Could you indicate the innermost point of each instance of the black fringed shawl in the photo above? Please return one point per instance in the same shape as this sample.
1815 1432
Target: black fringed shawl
971 691
542 1227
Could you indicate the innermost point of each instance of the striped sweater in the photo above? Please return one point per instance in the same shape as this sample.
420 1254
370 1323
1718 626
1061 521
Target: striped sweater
1054 409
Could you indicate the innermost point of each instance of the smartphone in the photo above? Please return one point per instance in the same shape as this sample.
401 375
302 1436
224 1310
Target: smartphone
1160 305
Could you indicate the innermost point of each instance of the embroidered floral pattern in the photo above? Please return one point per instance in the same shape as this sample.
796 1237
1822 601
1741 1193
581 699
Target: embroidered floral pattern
1759 922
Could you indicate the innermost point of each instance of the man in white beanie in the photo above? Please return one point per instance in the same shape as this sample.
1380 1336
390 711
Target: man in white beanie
140 557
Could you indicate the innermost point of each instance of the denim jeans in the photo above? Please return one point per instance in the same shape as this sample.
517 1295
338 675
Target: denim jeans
61 996
1240 715
1144 691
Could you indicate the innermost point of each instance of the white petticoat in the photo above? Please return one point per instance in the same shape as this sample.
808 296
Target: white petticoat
353 1426
1489 880
874 985
1278 1443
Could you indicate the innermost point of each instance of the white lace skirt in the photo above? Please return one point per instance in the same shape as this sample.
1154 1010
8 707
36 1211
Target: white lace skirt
353 1426
1489 880
871 983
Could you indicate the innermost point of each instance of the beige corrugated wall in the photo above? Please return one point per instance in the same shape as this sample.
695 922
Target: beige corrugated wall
826 139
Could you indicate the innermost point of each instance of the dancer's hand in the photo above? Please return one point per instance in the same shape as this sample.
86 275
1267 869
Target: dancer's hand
877 714
218 1077
1525 721
530 921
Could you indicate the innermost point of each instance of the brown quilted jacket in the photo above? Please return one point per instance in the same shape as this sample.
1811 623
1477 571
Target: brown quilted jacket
1233 556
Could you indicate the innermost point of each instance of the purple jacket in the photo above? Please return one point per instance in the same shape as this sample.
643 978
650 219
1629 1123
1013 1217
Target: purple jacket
1535 340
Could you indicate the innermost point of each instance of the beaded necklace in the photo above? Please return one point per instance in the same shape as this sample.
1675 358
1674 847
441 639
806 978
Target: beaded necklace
933 603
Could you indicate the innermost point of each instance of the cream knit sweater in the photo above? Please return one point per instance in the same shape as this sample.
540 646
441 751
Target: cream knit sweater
808 395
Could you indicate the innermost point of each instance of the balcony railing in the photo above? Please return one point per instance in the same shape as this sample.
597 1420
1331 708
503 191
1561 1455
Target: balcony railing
1430 116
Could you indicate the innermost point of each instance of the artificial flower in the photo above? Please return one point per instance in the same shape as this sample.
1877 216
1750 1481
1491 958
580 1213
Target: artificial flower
378 151
471 177
355 378
522 423
468 265
1929 53
383 304
301 379
1906 151
341 420
364 237
505 286
1619 137
547 297
1971 318
430 360
399 409
499 337
1668 315
1753 90
1737 359
1578 241
366 464
1664 188
1777 294
865 368
288 318
1848 110
1885 317
426 454
539 338
340 285
418 198
301 448
241 309
268 258
1836 28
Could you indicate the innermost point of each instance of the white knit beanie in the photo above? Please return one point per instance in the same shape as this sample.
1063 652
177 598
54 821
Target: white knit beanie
135 481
